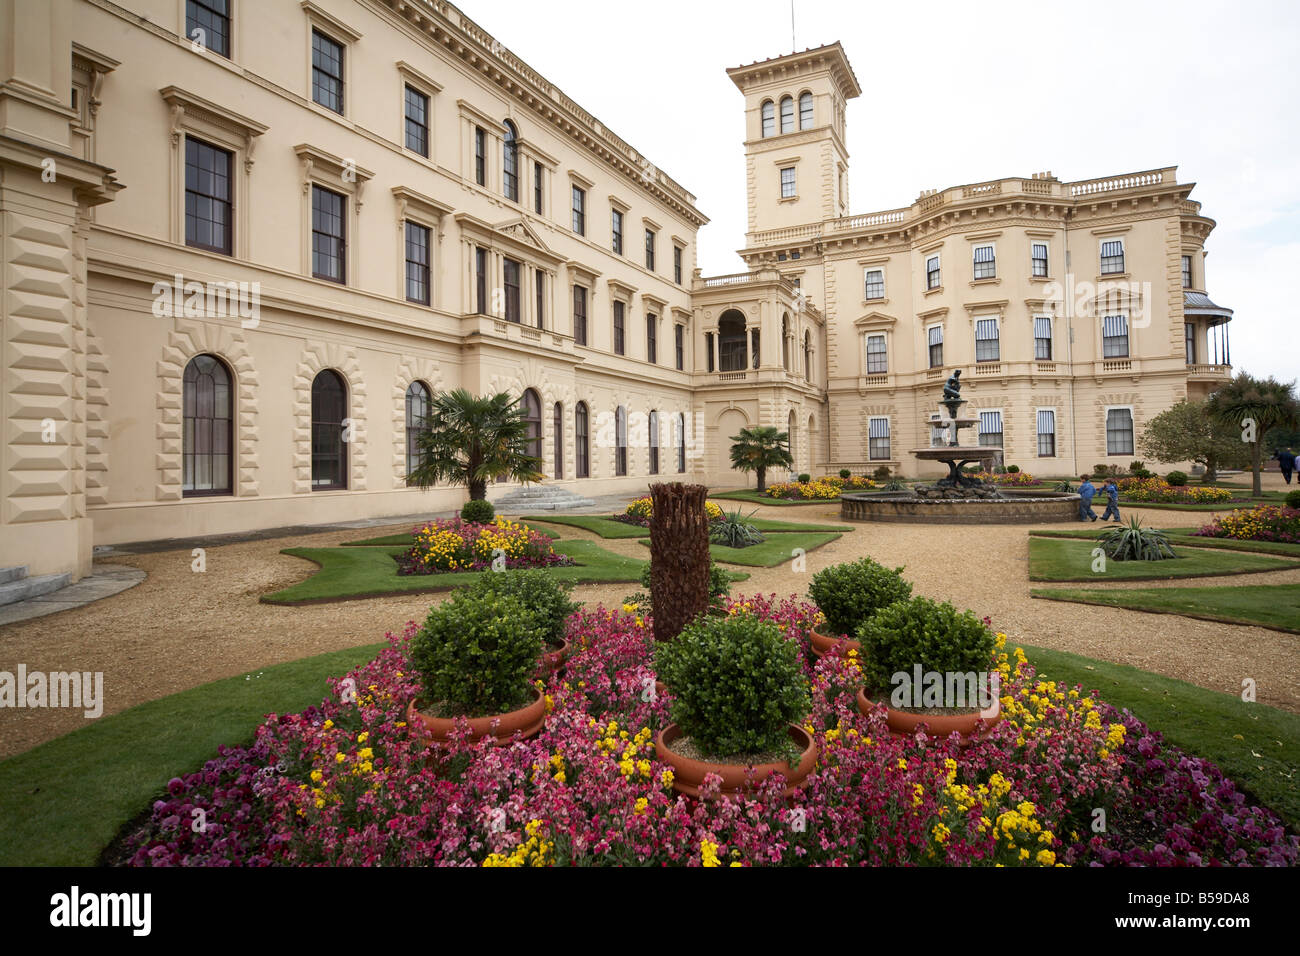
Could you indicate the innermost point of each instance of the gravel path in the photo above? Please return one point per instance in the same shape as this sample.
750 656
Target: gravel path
179 629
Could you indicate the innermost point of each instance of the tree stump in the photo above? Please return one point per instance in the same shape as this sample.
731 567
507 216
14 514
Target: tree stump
679 557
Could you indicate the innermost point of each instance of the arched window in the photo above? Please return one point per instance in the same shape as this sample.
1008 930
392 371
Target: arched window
653 429
805 111
732 355
329 412
807 355
510 162
620 441
206 446
557 439
787 114
417 410
532 409
581 441
681 443
785 342
769 118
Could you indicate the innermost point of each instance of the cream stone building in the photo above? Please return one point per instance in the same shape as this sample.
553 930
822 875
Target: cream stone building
244 243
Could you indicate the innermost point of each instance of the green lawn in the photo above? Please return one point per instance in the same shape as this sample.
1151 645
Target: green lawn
1275 606
1257 746
775 550
609 528
348 573
753 497
1060 559
403 540
1186 537
61 802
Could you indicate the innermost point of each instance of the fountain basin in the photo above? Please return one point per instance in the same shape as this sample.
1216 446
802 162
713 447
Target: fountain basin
1017 506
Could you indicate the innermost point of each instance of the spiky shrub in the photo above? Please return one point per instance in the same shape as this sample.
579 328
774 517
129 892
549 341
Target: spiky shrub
895 484
1064 486
1176 478
478 511
1132 542
735 531
850 593
476 654
535 590
737 684
921 631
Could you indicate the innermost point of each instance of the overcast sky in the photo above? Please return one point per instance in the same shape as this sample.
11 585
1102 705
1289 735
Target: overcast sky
959 92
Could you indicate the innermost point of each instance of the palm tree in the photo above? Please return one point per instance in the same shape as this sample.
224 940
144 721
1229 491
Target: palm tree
1254 406
466 440
760 448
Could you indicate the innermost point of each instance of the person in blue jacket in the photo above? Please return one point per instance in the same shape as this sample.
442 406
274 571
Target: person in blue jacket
1087 490
1111 491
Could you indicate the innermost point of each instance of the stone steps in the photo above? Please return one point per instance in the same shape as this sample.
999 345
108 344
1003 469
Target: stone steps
542 498
16 586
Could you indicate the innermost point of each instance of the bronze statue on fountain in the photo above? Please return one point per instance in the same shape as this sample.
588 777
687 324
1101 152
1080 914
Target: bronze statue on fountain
956 455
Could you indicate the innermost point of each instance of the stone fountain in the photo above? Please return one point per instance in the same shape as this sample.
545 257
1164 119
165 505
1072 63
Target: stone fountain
959 498
956 455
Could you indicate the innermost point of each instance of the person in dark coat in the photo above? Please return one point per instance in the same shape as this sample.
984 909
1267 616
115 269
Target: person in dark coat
1286 461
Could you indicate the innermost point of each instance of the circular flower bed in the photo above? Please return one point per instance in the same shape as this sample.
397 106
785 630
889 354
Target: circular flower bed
347 783
824 488
640 511
1261 523
451 544
1159 491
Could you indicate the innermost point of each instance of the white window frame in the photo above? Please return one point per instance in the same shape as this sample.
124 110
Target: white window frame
794 182
1106 430
866 352
1056 419
866 273
1123 251
975 248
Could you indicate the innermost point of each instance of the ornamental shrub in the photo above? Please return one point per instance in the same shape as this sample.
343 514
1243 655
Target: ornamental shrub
480 512
804 478
921 631
537 591
737 685
1176 478
881 473
845 473
1293 499
476 654
1013 469
848 594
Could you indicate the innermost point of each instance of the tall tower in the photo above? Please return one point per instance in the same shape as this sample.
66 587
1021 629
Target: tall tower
796 164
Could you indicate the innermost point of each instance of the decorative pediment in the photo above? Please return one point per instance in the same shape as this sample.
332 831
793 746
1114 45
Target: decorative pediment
513 235
876 320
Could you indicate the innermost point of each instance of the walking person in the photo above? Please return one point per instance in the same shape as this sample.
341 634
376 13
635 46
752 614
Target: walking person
1111 490
1287 462
1087 491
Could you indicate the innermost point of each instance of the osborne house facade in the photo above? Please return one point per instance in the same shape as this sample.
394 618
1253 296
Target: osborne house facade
245 242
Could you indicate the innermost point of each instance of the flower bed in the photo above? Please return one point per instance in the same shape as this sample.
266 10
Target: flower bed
825 488
1261 523
347 784
640 511
451 544
1011 479
1159 491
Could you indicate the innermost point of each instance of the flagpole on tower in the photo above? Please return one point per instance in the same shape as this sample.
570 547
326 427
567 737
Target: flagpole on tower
793 46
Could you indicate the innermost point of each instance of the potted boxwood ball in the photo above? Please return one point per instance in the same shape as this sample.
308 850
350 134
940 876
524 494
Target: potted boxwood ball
849 594
476 656
928 664
740 698
545 597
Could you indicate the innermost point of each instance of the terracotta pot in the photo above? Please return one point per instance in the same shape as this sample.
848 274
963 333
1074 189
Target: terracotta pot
528 720
904 724
823 645
688 774
660 688
552 659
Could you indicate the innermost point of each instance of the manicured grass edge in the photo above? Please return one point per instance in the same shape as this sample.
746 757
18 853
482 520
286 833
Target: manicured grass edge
1076 596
